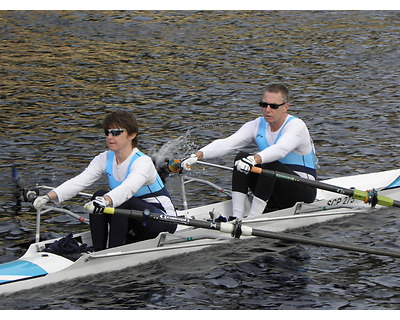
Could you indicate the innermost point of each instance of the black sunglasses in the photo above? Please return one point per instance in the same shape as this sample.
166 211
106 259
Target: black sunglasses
114 132
272 105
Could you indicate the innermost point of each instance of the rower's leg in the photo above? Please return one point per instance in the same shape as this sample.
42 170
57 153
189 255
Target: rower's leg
257 207
146 229
99 230
119 228
99 226
240 189
281 193
239 200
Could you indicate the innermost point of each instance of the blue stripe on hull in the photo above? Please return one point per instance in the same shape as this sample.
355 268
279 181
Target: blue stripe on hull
394 184
18 270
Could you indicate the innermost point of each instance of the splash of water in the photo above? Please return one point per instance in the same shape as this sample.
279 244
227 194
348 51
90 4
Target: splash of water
178 148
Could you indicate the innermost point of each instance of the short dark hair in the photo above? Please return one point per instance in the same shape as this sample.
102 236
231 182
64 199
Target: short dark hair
276 87
123 120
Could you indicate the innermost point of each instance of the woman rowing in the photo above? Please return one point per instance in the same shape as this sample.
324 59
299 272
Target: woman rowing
134 183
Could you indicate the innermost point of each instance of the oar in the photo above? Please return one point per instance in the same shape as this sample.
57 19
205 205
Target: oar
367 196
370 197
236 229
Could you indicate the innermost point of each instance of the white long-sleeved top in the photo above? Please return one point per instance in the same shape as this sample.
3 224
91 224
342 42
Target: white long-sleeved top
142 172
294 137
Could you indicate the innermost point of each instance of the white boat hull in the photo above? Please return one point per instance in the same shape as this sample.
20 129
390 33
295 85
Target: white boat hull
49 268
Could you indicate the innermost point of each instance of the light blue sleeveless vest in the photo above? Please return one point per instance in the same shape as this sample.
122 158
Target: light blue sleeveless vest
157 185
296 162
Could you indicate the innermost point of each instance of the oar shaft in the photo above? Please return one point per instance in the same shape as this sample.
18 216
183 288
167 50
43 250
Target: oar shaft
316 242
356 194
244 230
308 182
143 215
214 165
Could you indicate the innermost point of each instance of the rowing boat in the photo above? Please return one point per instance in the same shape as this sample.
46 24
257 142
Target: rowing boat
38 267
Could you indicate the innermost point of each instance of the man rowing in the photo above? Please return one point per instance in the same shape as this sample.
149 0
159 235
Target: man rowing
284 145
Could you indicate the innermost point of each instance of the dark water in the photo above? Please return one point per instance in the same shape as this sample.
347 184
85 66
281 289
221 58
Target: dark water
191 77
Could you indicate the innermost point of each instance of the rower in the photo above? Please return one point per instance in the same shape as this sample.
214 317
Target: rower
284 145
134 184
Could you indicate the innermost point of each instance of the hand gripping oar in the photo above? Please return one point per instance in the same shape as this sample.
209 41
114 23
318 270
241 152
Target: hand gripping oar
236 229
370 197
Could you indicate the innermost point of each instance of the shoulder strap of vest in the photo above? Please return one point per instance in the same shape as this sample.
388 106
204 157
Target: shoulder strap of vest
284 125
110 159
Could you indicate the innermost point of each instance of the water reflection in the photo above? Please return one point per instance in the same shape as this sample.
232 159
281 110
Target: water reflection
195 70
